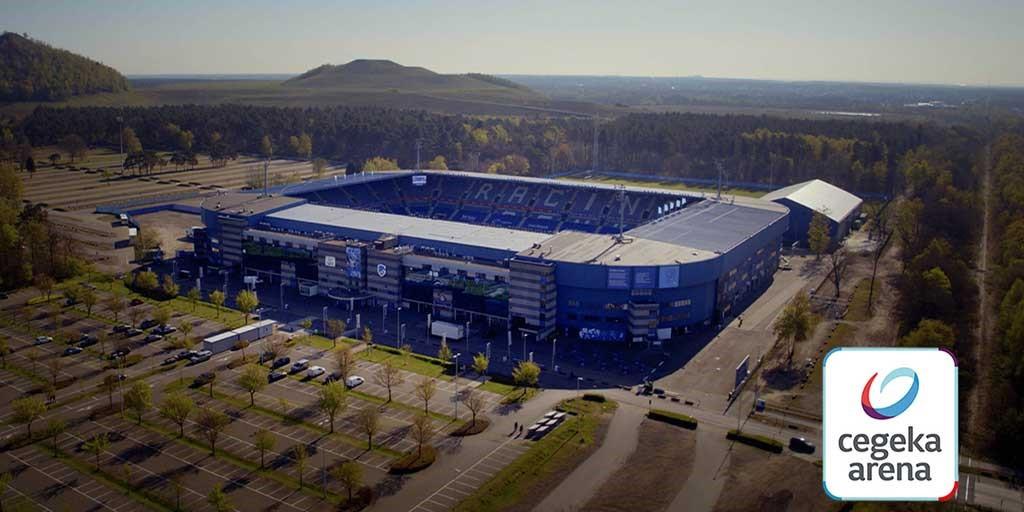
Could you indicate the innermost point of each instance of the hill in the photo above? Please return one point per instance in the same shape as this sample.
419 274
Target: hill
31 70
386 75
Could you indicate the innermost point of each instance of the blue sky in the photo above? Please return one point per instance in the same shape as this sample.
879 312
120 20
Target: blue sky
937 41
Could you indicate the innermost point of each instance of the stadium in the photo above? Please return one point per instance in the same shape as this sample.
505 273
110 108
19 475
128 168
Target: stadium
541 257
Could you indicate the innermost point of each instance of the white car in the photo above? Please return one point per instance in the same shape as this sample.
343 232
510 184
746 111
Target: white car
43 339
299 365
315 372
354 381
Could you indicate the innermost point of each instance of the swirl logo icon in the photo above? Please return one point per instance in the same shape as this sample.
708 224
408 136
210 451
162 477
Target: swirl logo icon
898 407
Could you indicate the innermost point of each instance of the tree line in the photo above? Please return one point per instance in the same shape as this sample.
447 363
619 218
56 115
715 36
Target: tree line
860 156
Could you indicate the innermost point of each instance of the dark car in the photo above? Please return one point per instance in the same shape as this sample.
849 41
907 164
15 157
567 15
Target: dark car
87 341
3 296
164 329
334 377
171 360
204 379
276 376
70 351
801 445
282 361
146 324
135 302
122 328
152 337
133 332
121 352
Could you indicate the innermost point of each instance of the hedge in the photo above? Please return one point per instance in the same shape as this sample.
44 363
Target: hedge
594 397
672 418
410 463
762 442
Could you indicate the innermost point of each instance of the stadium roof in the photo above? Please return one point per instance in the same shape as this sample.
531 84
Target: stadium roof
413 227
577 247
830 200
240 203
711 225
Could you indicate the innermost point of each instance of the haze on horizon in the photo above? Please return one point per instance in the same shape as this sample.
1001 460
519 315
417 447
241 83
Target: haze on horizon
918 41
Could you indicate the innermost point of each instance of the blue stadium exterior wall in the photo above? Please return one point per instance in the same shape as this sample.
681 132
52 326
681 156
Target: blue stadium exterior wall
800 223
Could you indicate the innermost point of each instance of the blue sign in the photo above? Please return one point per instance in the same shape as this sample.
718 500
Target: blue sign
668 277
355 262
595 334
618 278
644 277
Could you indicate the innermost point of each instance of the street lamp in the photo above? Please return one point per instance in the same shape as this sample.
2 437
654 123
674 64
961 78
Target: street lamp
553 342
323 318
522 334
509 357
456 397
467 337
487 350
398 327
578 380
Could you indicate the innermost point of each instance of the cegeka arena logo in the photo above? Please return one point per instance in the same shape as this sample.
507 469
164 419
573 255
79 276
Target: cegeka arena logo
890 424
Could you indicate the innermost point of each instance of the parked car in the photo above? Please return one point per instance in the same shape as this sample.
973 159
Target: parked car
70 351
122 328
121 352
87 340
801 445
186 354
146 324
199 357
203 379
276 375
315 372
42 340
133 332
122 376
300 365
354 381
164 329
282 361
152 337
135 302
336 376
171 360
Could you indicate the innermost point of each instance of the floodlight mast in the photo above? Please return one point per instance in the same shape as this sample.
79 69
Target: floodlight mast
622 212
419 144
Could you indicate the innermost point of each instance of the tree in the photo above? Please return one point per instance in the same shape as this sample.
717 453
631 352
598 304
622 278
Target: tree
5 349
210 423
177 407
54 158
89 299
526 374
253 379
438 163
246 301
305 146
368 420
74 146
213 380
171 288
474 401
480 364
388 375
444 353
44 284
425 390
185 327
930 333
379 163
346 360
54 428
422 431
335 330
818 238
97 445
794 324
331 401
367 335
266 147
139 398
193 296
116 305
131 141
162 315
839 262
55 366
110 384
133 316
217 299
319 166
147 281
27 410
264 442
218 500
300 455
349 475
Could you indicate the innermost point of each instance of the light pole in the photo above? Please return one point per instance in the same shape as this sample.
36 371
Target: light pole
578 380
383 317
323 318
554 341
522 334
398 327
487 350
467 337
456 396
509 356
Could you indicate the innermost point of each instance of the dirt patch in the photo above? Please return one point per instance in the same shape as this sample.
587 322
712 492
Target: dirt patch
642 483
757 480
169 228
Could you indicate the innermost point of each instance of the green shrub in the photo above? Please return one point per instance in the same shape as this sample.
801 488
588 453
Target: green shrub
673 418
594 397
762 442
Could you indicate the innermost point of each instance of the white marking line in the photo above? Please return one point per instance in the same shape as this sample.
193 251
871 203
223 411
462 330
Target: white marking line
29 498
502 445
44 473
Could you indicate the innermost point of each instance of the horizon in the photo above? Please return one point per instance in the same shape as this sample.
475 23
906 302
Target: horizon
914 43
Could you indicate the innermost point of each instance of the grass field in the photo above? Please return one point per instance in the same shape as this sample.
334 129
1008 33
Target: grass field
545 463
654 182
412 363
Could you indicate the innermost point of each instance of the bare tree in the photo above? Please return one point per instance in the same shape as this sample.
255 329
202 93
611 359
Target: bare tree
475 402
210 423
388 375
425 390
422 431
346 360
368 420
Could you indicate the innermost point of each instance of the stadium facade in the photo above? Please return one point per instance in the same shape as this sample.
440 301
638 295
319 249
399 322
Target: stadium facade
544 257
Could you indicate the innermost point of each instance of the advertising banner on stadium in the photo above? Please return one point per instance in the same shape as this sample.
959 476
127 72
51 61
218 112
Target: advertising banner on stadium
443 298
668 277
355 262
644 277
618 278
